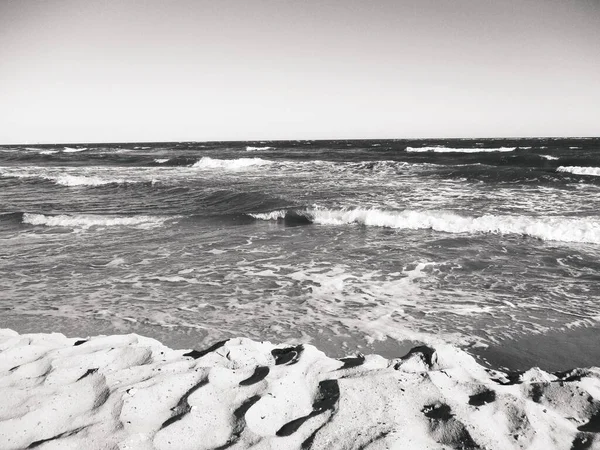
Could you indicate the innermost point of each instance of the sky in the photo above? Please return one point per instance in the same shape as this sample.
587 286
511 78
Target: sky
196 70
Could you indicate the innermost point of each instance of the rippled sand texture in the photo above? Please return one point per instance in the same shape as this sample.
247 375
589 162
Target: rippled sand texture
133 392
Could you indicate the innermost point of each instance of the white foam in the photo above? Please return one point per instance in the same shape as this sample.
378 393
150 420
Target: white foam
551 228
273 215
80 180
250 148
549 157
161 160
577 170
74 150
85 221
129 391
75 176
230 164
459 150
48 152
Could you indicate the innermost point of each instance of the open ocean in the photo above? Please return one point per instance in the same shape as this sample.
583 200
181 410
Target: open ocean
349 245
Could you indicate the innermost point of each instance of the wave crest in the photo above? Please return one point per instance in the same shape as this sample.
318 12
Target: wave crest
230 164
548 228
73 150
85 221
578 170
459 150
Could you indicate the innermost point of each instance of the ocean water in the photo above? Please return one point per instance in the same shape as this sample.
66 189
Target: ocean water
349 245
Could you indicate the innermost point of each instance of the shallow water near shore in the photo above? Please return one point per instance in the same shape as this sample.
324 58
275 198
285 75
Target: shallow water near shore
353 246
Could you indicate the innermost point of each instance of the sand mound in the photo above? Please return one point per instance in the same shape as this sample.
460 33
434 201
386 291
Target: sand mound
133 392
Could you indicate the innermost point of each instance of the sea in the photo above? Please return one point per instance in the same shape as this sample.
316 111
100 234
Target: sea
365 246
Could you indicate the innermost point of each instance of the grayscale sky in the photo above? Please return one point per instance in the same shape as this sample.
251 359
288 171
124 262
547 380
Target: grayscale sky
164 70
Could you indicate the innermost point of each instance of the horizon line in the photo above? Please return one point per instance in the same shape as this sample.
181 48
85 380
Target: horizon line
300 140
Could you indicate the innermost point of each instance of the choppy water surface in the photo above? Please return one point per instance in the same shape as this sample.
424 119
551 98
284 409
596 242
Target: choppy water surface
342 243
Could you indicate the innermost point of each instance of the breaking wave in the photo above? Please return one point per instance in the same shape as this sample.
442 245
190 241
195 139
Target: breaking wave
67 179
577 170
459 150
549 228
80 180
161 160
230 164
73 150
85 221
549 157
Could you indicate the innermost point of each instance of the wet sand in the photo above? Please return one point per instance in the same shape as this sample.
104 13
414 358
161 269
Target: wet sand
556 351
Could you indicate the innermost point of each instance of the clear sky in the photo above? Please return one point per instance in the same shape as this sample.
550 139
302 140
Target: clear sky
174 70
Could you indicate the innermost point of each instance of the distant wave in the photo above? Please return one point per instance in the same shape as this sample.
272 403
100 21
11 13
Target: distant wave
81 180
577 170
250 148
64 179
87 220
459 150
161 160
549 157
230 164
564 229
48 152
74 150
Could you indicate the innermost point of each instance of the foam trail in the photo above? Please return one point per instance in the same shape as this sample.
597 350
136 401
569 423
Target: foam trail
459 150
86 221
577 170
230 164
550 228
74 150
79 180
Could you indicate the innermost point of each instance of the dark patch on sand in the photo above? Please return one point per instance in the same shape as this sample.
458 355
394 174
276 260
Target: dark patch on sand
450 431
259 374
183 407
200 353
487 396
88 373
327 397
593 426
58 436
511 378
583 441
427 353
537 392
350 362
438 411
287 355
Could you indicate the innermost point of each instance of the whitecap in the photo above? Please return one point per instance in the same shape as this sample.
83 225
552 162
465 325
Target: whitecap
549 157
161 160
577 170
550 228
74 150
459 150
85 221
230 164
